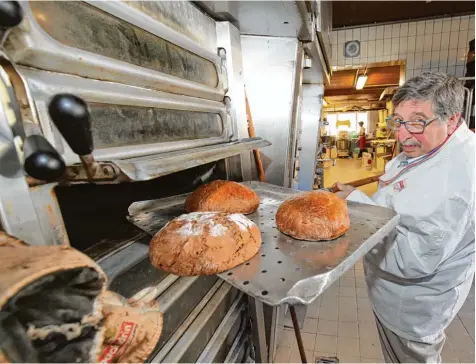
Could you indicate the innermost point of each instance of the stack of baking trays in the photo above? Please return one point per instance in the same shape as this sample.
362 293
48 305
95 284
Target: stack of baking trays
285 270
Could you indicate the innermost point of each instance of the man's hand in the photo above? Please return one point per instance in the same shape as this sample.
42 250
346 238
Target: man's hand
343 190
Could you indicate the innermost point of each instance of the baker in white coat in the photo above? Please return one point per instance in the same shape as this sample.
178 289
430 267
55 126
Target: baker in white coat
419 277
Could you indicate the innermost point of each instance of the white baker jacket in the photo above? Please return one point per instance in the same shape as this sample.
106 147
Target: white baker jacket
419 277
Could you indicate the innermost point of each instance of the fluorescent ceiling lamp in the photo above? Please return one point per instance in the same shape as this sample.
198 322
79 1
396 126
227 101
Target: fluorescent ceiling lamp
361 80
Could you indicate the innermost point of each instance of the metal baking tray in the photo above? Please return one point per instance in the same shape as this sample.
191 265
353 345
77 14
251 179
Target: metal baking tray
285 270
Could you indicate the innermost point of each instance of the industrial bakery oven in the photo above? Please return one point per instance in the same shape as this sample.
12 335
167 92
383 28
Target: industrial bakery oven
154 80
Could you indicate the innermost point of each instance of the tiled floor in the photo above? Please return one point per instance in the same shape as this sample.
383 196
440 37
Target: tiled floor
341 323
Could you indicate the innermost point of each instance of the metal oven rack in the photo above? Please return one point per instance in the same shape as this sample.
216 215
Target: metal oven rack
285 270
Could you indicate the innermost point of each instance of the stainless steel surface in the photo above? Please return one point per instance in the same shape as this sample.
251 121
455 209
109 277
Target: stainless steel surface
145 168
30 45
258 330
222 340
285 270
238 350
269 18
310 118
192 23
194 340
343 144
17 212
292 179
276 328
43 85
228 37
269 67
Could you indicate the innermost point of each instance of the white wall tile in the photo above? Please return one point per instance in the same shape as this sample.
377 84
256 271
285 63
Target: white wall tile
470 35
455 22
356 34
341 61
341 36
402 56
461 56
395 30
409 74
420 28
426 59
424 70
387 47
371 59
436 41
411 60
371 49
464 24
452 55
334 37
462 39
379 32
404 30
429 27
459 71
438 26
435 59
416 72
418 60
471 22
412 28
443 57
379 59
411 44
379 47
454 40
442 69
427 42
364 49
395 45
356 61
363 60
420 40
387 31
386 58
445 40
451 70
372 33
348 35
403 48
364 34
434 69
334 53
446 25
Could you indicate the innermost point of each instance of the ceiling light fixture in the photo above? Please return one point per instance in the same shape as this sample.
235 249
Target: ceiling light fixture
361 80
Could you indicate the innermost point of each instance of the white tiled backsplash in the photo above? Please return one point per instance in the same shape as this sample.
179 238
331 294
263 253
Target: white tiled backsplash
428 45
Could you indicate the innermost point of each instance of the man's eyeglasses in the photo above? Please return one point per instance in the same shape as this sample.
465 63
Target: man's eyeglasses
416 125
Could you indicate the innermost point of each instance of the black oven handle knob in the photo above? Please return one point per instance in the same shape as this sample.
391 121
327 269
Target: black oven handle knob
70 114
42 161
11 14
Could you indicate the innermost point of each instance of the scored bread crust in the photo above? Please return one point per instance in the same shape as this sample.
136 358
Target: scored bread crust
204 243
223 196
317 215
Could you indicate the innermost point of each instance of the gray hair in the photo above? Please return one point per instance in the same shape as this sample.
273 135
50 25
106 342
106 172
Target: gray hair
444 92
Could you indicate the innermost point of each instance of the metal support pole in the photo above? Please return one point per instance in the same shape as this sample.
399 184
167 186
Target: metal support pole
297 332
258 330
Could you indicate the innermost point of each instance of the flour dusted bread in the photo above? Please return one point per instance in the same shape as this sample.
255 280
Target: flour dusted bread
317 215
204 243
223 196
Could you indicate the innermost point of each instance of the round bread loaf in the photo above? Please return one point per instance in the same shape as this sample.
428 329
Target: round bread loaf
223 196
204 243
317 215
